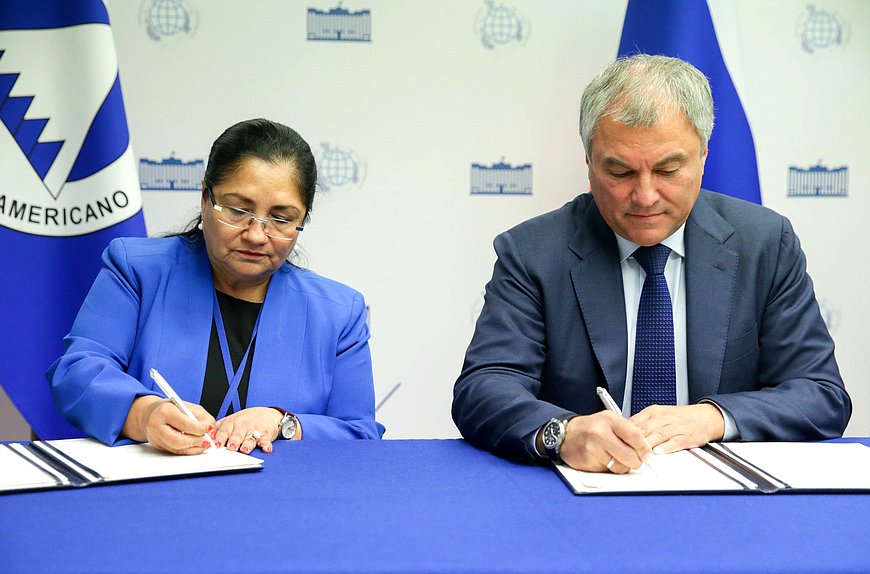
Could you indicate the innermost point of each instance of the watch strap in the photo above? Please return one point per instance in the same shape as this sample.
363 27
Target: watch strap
285 418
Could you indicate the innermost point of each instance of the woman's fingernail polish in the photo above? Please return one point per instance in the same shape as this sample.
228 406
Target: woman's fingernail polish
231 446
204 444
210 428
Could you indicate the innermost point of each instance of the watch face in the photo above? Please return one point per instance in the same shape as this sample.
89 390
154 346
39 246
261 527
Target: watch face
288 429
552 434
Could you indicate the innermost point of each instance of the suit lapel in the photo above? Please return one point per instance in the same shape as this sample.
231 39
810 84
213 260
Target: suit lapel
597 280
188 311
711 269
280 338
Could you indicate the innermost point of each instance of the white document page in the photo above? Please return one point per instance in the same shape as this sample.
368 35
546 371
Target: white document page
135 461
17 473
675 472
811 465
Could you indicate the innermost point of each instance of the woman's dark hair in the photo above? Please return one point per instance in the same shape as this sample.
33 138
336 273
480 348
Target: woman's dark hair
264 140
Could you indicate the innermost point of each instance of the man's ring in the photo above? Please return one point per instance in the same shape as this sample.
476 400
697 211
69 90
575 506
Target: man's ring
255 434
610 463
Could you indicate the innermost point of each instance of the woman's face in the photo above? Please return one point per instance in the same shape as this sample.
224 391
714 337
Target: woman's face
244 259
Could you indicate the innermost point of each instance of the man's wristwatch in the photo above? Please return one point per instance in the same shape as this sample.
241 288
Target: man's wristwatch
553 435
289 426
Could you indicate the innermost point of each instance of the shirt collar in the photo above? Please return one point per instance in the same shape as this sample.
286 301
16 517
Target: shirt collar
676 242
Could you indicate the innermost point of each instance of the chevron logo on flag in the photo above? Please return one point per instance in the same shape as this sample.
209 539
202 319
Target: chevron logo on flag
68 184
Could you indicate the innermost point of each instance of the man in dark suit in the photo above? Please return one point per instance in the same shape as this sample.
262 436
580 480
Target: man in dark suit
737 347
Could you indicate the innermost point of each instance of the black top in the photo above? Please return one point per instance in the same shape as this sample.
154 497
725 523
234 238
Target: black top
239 319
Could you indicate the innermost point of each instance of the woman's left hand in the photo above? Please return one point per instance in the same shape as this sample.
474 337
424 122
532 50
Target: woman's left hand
249 428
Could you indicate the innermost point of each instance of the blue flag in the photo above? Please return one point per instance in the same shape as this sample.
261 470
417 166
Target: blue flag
68 185
684 29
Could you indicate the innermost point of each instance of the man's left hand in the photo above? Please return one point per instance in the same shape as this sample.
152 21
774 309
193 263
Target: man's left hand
669 429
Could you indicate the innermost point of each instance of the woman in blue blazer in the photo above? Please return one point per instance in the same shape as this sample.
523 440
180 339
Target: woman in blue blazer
259 348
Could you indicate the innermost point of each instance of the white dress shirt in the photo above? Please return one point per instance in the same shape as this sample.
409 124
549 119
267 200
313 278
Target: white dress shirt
633 277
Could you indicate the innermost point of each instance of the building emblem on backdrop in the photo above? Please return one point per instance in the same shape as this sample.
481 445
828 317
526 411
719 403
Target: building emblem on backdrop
501 178
818 181
821 30
171 174
500 25
60 178
339 167
339 25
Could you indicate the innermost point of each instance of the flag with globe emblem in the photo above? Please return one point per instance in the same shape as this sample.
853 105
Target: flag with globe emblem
68 184
685 30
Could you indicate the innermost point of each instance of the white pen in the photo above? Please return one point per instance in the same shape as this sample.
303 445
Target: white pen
611 405
173 396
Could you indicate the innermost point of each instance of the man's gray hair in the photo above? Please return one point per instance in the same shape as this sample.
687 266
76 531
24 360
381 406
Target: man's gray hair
636 90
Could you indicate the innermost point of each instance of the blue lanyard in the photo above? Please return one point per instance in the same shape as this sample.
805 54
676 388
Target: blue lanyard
233 377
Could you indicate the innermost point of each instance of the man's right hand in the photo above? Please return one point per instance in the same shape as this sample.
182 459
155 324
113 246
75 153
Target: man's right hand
590 442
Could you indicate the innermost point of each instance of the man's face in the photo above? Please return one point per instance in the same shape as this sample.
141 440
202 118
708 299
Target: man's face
645 180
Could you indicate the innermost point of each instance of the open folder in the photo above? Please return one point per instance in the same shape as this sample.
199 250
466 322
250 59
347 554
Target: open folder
737 467
85 461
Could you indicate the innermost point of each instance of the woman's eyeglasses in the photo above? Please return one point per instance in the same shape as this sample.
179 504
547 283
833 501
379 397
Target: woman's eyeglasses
239 218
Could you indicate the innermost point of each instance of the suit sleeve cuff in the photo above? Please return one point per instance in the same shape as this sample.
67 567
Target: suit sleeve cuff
531 444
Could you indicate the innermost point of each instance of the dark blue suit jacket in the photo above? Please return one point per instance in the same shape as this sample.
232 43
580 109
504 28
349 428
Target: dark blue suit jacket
151 307
553 327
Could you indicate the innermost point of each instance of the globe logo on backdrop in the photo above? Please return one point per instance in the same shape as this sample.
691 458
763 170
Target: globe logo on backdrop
167 18
820 30
339 167
499 25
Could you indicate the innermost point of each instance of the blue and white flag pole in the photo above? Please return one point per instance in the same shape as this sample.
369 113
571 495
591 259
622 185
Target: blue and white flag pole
684 29
68 184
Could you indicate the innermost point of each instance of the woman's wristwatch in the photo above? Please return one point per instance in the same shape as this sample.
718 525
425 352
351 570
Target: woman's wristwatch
289 425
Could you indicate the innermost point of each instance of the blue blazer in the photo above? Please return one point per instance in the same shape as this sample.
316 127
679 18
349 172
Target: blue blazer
553 327
151 307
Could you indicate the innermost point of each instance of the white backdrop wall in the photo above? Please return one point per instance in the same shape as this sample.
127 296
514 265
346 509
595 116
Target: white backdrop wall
413 108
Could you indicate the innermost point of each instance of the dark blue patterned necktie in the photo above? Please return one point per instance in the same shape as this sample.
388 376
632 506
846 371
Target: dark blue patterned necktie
654 381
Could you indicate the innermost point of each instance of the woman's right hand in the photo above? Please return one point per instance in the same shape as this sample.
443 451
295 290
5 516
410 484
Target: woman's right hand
159 422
